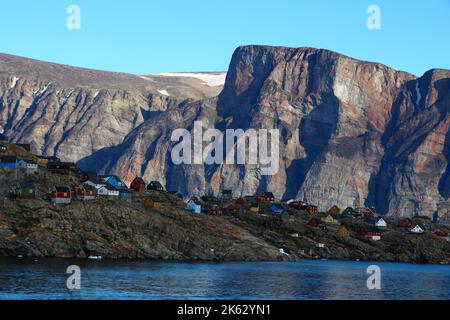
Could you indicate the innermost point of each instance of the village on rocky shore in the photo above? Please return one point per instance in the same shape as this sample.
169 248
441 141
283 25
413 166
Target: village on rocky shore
50 208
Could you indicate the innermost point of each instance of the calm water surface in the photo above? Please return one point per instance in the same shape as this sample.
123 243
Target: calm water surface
308 279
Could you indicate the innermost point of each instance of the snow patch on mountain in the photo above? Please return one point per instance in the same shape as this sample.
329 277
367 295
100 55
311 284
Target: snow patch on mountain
209 79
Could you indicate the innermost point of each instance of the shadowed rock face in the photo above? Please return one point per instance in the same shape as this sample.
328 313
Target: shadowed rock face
351 132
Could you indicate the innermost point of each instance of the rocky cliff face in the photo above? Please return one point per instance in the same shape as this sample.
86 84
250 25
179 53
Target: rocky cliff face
351 132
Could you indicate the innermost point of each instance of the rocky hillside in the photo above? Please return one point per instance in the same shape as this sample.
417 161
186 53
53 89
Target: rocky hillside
352 132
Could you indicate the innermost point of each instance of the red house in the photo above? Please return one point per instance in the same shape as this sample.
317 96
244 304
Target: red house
86 192
296 205
61 195
405 223
240 201
314 223
138 184
441 233
311 209
266 197
213 211
371 233
230 207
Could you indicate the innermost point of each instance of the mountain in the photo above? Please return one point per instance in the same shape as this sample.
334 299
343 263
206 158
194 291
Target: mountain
351 132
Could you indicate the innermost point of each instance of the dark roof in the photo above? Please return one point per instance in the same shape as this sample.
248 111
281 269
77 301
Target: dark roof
62 189
227 191
370 229
88 187
268 194
110 188
3 137
8 159
155 184
27 185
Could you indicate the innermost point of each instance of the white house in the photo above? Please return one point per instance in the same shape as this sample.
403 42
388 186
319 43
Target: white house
108 191
97 184
28 165
381 223
193 206
417 229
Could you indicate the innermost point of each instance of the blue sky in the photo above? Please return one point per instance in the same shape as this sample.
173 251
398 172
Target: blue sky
199 35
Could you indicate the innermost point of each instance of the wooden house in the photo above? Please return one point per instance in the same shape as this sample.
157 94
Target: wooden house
417 229
125 195
349 212
227 195
230 208
210 199
296 204
155 186
3 148
86 192
275 209
61 195
311 209
114 181
28 166
441 233
9 162
334 210
405 223
372 233
153 202
58 167
108 191
343 232
329 219
138 184
194 206
380 223
266 197
314 223
250 199
25 146
285 216
240 201
254 208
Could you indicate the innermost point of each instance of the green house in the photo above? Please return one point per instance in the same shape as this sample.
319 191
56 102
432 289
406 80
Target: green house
24 191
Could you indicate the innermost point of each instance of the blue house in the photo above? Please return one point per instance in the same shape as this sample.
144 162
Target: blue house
275 209
125 195
114 181
9 162
194 206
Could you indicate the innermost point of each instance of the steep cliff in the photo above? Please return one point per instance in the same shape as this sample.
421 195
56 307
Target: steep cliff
351 132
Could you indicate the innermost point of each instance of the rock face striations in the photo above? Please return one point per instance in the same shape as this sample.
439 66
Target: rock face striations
351 132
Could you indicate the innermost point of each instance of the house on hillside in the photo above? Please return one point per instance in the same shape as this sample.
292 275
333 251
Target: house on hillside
227 195
329 219
334 210
138 184
29 166
61 195
266 197
311 209
417 229
194 206
58 167
125 195
343 232
380 223
372 233
153 202
108 191
25 146
275 209
86 192
349 212
314 223
9 162
114 181
296 204
155 186
240 201
213 211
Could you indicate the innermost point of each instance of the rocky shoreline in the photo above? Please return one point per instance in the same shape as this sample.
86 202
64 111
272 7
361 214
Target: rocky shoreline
121 230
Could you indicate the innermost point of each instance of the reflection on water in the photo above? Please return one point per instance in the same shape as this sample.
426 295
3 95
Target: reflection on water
308 279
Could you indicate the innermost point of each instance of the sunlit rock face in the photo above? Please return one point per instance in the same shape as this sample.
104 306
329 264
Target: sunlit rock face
352 133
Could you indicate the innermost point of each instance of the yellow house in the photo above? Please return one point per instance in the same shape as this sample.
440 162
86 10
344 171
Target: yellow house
254 209
153 202
343 232
329 219
334 210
